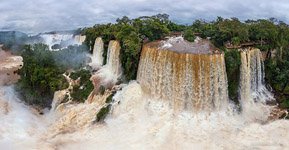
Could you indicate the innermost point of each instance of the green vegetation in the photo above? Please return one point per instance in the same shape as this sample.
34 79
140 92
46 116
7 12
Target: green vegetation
109 98
103 112
269 35
277 75
233 62
72 57
101 89
131 34
40 76
42 72
82 91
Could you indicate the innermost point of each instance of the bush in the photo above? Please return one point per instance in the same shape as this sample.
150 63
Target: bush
81 92
233 62
109 99
40 76
103 112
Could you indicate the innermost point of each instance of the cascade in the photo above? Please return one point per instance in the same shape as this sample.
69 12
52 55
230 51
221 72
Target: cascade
108 75
97 58
252 84
138 121
191 76
113 58
57 38
79 39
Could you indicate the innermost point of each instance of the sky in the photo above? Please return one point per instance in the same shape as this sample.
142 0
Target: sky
33 16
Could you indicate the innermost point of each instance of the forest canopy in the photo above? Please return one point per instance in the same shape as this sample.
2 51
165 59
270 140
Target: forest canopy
269 35
43 69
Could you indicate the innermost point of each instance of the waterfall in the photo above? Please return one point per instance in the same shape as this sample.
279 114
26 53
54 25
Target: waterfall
109 74
252 91
139 121
113 58
79 39
57 38
97 58
193 81
252 84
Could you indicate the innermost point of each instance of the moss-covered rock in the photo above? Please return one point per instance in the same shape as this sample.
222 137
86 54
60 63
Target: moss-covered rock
101 90
109 99
82 91
102 113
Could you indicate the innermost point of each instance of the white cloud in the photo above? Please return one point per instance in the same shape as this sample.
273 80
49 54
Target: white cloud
46 15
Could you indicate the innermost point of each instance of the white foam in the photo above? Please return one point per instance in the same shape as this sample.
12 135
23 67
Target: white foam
68 39
136 122
170 42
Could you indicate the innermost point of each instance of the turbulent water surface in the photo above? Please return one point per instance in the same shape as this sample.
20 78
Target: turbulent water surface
139 120
189 81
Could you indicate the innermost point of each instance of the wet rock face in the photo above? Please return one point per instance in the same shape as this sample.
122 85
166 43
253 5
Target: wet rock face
191 78
179 45
9 65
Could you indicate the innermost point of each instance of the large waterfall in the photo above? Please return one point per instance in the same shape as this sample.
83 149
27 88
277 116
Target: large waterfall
140 121
97 58
191 76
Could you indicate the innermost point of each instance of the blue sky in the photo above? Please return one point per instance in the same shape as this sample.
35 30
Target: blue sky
45 15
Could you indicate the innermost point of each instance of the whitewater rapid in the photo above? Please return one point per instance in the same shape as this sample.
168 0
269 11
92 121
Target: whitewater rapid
136 122
19 124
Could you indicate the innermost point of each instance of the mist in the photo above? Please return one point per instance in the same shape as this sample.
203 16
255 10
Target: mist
164 108
72 57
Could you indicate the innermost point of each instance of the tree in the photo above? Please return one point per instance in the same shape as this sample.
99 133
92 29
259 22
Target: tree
189 35
40 76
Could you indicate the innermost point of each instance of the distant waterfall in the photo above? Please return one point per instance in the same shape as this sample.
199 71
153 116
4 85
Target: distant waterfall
191 81
97 58
252 84
79 39
113 58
